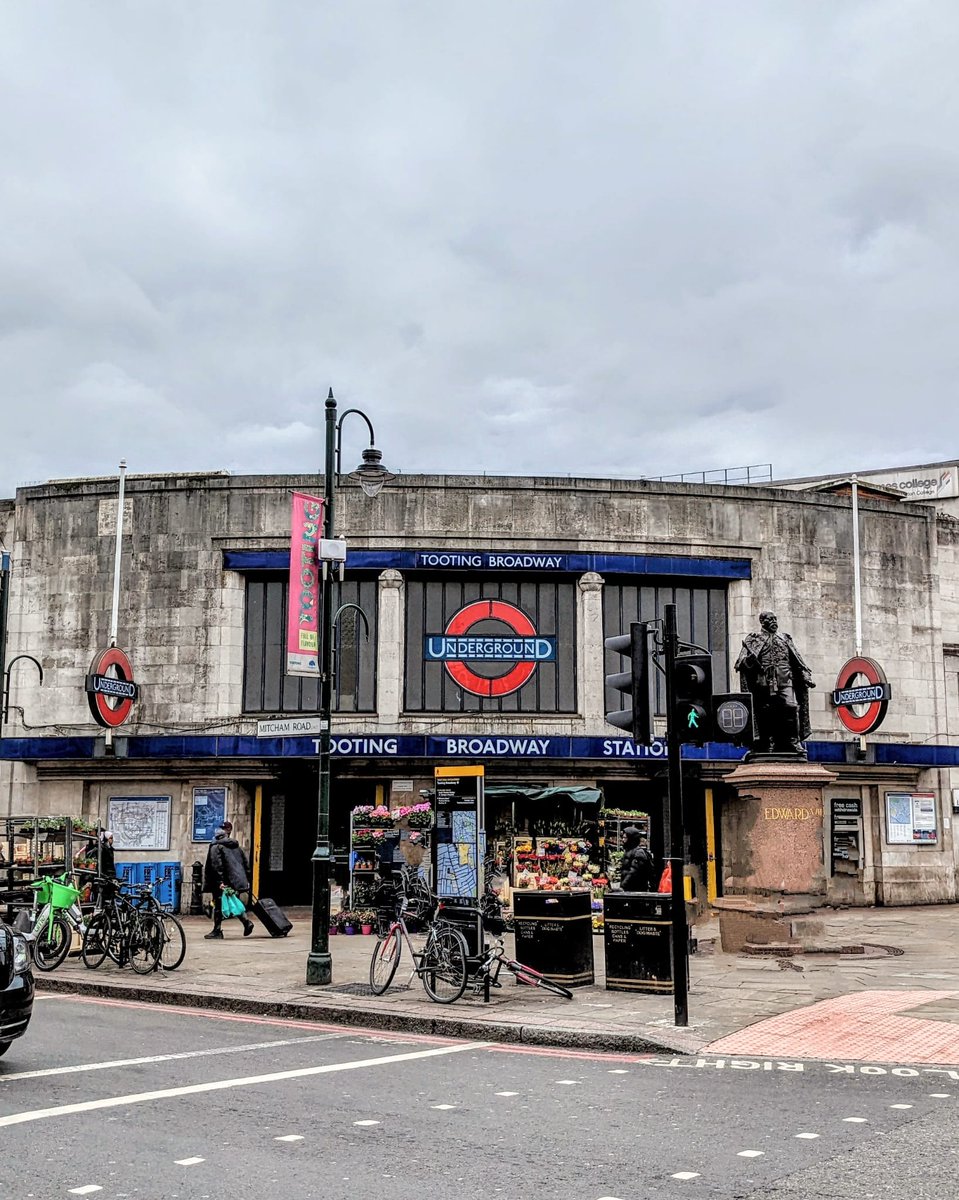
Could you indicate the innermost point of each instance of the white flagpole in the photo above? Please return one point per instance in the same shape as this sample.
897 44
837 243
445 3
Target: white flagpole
857 586
114 616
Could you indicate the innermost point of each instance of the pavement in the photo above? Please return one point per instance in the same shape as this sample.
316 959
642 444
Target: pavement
894 1001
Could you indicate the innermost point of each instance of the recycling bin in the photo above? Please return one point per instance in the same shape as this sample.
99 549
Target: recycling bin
637 940
554 934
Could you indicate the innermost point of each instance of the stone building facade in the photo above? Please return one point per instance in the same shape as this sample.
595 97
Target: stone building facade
204 568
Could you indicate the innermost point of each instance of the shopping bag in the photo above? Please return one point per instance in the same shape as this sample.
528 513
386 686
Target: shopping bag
231 904
666 881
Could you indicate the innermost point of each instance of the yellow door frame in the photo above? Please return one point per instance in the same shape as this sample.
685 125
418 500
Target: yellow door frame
711 888
257 835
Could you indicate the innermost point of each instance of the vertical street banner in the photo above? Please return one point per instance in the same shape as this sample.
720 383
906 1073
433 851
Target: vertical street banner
459 839
303 605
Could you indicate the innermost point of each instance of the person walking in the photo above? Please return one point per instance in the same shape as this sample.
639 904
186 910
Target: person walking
637 871
226 866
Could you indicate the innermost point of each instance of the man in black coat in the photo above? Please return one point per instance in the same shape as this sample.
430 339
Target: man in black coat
637 871
226 866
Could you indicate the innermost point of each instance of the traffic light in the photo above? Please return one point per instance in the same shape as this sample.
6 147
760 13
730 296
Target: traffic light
733 718
638 718
692 713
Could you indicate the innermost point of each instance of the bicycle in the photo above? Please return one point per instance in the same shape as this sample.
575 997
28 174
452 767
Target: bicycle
53 924
486 975
123 932
441 964
173 949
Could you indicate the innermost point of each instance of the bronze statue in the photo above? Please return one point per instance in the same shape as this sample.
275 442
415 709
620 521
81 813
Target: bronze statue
774 672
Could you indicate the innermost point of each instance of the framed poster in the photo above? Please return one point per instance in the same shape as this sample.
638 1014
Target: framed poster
209 812
139 822
911 818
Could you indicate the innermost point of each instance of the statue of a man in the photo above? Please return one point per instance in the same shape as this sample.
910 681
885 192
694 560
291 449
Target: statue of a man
773 670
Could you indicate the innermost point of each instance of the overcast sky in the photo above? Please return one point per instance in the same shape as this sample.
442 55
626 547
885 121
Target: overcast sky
538 237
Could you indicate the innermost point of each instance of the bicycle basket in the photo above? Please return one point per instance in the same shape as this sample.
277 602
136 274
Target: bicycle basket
57 895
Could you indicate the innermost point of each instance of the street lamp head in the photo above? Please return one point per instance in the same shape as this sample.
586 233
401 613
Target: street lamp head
371 474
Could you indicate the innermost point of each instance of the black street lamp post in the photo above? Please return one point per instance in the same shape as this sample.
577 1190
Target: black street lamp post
371 475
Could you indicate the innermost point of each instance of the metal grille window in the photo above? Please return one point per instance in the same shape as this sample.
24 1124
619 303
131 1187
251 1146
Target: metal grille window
700 615
548 608
266 686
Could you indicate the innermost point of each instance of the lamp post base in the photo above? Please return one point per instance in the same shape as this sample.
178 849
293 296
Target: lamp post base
319 968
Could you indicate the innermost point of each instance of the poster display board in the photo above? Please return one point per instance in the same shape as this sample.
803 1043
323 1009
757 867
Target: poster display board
139 822
209 812
911 818
458 844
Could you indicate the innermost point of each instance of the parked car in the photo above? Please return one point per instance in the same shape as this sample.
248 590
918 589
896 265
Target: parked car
16 986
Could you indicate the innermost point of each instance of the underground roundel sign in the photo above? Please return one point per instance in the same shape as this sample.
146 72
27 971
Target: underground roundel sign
490 648
110 687
862 695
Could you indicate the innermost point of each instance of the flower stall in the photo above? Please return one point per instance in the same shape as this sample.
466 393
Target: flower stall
383 839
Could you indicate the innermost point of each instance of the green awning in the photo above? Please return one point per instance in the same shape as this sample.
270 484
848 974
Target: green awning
579 795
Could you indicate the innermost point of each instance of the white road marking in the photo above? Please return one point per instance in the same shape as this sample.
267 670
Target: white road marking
85 1190
940 1095
617 1071
807 1135
188 1162
366 1122
570 1082
220 1085
686 1175
609 1198
290 1137
443 1107
157 1058
856 1120
750 1153
507 1093
900 1106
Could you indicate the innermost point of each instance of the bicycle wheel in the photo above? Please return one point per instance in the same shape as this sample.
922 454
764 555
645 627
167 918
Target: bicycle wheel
531 978
443 965
385 960
51 944
174 942
145 943
96 940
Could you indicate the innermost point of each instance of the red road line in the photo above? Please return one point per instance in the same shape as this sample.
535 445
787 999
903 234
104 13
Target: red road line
282 1022
558 1052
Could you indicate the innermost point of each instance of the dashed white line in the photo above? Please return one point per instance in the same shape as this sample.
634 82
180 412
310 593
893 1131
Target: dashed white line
618 1071
808 1136
443 1107
686 1175
750 1153
940 1095
189 1162
507 1093
568 1082
856 1120
86 1189
289 1137
366 1122
900 1106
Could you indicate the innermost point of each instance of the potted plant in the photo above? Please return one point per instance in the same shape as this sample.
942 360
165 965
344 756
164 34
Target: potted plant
367 919
416 816
347 922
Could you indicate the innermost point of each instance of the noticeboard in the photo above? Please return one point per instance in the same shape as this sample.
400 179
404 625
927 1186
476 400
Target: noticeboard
209 812
458 844
911 818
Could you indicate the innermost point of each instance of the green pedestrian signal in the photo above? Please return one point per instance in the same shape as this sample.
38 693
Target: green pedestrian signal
692 696
692 719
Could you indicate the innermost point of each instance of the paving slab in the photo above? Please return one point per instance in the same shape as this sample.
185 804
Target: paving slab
916 954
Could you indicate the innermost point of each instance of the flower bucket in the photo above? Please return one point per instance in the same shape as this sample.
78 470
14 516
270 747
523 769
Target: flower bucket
333 930
349 930
366 930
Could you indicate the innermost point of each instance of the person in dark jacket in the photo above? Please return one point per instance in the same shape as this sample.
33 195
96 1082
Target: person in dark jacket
226 866
637 871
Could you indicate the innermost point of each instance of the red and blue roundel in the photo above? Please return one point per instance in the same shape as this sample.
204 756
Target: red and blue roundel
490 648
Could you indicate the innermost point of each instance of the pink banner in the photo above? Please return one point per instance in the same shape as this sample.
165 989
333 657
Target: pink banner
303 611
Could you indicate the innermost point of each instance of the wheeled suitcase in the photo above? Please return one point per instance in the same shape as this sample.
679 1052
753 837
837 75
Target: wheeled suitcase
272 917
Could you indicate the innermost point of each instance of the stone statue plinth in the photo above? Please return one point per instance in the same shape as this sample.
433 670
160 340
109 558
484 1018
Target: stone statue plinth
772 832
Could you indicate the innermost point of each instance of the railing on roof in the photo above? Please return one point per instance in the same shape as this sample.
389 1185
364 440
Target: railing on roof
756 473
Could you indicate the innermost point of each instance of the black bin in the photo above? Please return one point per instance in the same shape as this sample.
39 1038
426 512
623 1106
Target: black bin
637 940
554 934
465 918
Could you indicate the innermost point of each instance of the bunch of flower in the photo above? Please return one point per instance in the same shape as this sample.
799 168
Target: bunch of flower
417 816
377 817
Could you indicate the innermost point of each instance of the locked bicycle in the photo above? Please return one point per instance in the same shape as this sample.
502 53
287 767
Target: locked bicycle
440 964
